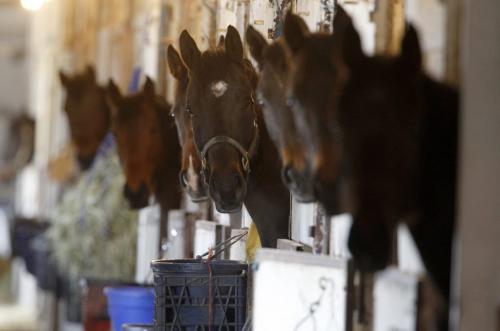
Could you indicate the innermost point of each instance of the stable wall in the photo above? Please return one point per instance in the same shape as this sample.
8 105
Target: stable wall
477 295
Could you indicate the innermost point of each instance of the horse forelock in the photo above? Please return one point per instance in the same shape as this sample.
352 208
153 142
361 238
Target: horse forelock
216 65
277 55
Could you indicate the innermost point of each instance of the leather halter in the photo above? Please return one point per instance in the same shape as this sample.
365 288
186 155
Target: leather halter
246 154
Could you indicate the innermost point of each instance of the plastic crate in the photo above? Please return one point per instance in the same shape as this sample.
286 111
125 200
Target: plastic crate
196 295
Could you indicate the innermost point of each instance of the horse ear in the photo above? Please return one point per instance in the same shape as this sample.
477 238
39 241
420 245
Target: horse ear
113 93
351 48
113 97
341 20
189 51
295 31
163 104
222 41
149 87
256 44
233 44
65 81
411 56
175 64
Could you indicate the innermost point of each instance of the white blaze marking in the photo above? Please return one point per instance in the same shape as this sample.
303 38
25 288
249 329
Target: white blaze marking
218 88
192 177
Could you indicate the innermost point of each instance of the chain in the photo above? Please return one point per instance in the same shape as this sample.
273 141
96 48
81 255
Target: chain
223 246
316 304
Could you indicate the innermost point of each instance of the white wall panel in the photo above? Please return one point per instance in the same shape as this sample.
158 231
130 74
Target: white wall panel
287 284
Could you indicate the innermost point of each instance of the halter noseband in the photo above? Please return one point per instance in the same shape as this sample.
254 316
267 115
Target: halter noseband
246 154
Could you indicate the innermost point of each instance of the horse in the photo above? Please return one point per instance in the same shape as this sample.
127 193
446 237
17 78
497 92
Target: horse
399 137
88 114
20 149
311 95
240 164
274 62
147 145
190 174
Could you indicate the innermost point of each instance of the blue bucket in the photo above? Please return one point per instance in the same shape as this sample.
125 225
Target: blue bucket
137 327
130 305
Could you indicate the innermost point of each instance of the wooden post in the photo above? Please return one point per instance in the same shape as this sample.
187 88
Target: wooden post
452 56
389 21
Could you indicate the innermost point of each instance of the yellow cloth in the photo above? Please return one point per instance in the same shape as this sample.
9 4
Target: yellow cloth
253 242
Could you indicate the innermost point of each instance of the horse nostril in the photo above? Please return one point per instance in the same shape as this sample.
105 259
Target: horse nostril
287 174
236 179
183 178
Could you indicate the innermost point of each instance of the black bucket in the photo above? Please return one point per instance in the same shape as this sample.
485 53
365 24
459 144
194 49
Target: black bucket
45 268
182 295
24 232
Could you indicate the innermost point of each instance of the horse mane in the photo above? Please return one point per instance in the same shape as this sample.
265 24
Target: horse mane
171 153
163 108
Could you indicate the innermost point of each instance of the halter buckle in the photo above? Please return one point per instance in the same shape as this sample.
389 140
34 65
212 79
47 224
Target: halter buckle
245 162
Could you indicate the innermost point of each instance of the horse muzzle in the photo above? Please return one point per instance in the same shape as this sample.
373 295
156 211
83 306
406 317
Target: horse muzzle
137 199
228 192
299 183
194 187
85 162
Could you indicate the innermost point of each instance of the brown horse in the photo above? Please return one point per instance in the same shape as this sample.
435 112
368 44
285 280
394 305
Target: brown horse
312 96
239 161
148 146
88 114
400 146
274 61
20 148
190 174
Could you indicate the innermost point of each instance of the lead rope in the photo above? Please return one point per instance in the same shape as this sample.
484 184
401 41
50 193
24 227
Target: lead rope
211 253
210 290
227 243
290 217
323 283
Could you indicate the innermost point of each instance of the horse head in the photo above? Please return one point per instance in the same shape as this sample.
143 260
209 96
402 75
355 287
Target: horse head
313 91
379 115
87 112
274 62
220 102
139 123
190 176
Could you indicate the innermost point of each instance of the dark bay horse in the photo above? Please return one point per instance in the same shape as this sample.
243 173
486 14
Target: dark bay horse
239 161
148 146
190 174
399 136
274 61
88 114
312 95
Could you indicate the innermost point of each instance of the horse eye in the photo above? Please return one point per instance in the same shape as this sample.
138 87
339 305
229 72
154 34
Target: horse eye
172 114
189 110
260 102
